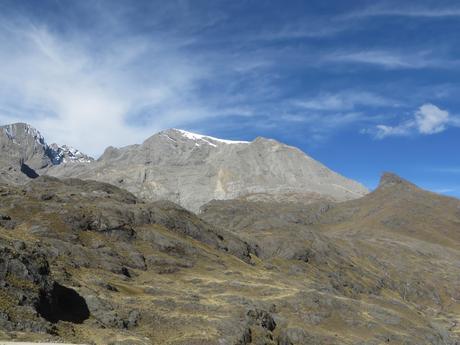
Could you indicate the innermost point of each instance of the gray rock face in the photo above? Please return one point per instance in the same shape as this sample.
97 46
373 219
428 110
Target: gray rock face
23 150
191 169
25 153
25 143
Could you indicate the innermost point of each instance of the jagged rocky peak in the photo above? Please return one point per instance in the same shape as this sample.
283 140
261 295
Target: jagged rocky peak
22 147
21 132
25 153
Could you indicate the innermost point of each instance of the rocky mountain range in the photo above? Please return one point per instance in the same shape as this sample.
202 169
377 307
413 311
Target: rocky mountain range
189 169
289 252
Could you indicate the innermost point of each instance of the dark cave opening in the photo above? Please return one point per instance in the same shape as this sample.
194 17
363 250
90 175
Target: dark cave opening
63 304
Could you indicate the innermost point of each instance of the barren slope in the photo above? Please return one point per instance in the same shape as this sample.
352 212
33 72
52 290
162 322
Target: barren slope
143 273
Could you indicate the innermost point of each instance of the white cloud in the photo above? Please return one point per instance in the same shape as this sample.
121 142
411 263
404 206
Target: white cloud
428 119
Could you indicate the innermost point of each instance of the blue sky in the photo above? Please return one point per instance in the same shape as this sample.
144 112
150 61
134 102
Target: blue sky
362 86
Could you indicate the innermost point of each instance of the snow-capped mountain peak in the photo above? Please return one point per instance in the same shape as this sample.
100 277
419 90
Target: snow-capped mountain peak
67 154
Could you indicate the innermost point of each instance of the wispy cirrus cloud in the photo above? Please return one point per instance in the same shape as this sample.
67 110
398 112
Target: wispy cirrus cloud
70 91
91 92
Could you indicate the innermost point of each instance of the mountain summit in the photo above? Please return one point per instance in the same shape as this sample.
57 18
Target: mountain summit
192 169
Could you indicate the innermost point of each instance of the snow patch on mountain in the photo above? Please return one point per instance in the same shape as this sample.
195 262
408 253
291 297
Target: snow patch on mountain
207 139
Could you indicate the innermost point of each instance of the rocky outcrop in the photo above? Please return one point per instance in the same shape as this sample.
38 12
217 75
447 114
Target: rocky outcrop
389 179
31 301
106 209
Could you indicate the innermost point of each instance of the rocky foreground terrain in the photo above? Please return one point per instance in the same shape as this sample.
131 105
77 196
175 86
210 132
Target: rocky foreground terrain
87 262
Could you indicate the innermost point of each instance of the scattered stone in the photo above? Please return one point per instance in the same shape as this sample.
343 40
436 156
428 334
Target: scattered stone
263 318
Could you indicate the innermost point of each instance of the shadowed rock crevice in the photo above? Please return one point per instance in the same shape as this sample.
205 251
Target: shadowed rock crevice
28 171
63 304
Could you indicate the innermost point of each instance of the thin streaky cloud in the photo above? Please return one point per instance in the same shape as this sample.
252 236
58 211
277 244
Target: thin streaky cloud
301 31
345 100
393 60
401 130
380 11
